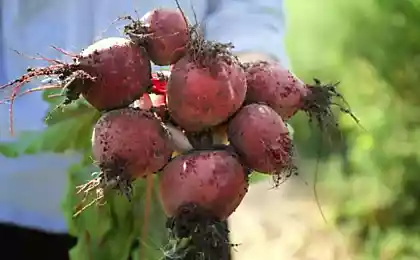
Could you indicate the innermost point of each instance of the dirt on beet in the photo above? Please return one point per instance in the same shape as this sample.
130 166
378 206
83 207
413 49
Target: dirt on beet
271 83
205 88
262 139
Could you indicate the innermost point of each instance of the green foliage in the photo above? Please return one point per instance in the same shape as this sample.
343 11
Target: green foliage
110 231
64 132
372 180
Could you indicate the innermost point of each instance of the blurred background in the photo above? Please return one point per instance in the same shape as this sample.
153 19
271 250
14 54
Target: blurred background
369 186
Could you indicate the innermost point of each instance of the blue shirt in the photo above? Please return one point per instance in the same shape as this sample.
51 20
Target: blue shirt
32 187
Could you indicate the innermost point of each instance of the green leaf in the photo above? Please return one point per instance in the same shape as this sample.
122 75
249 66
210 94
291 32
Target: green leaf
156 236
68 129
106 232
115 245
71 111
9 149
52 101
82 250
97 221
257 177
115 226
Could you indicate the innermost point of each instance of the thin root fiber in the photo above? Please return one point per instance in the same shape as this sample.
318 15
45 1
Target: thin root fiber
110 178
69 76
318 105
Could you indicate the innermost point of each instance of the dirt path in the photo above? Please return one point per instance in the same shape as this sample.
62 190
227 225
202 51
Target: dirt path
283 224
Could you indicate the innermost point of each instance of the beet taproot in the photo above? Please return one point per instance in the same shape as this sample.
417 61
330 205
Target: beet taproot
130 143
164 32
110 74
205 87
121 70
271 83
198 191
214 180
261 138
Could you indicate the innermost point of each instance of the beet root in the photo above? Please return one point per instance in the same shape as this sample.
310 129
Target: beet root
198 190
163 32
271 83
262 140
205 87
127 144
131 138
214 180
121 69
110 74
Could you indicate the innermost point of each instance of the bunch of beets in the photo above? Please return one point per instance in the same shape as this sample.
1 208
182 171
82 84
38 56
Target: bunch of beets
232 115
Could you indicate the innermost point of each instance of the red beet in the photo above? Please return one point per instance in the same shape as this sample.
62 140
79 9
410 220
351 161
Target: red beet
164 32
110 73
129 143
169 36
205 88
271 83
121 70
262 139
215 181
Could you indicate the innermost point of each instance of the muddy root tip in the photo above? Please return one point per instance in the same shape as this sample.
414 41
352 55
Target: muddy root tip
319 102
116 177
101 183
197 233
74 85
93 187
280 176
288 170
